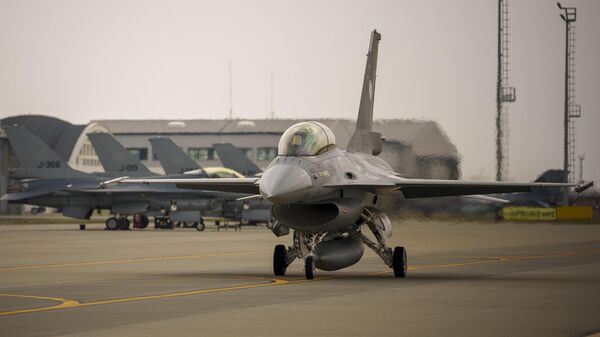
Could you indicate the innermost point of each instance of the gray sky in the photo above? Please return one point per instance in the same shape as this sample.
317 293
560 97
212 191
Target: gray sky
81 60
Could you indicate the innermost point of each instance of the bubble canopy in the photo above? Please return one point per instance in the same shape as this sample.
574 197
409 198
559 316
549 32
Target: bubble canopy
306 139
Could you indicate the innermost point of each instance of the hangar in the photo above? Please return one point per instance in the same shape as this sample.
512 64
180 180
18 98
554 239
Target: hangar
415 148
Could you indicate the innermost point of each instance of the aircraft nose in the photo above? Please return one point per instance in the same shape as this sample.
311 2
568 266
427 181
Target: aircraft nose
285 184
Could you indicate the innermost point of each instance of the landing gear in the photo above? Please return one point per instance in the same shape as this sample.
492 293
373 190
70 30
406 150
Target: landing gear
140 221
200 225
279 260
309 267
399 263
112 224
395 259
123 223
303 247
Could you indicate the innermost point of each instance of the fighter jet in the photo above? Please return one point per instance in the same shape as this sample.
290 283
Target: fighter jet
175 161
233 158
329 196
53 183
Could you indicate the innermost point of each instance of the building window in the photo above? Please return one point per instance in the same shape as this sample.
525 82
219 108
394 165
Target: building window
247 152
202 153
266 153
139 152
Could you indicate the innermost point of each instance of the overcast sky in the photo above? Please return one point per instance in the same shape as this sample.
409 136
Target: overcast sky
80 60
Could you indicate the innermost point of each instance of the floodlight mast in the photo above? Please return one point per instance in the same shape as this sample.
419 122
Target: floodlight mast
571 110
504 93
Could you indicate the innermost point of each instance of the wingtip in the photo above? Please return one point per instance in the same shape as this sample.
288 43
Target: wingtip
584 186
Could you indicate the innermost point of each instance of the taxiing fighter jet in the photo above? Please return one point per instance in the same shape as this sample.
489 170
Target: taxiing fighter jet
329 196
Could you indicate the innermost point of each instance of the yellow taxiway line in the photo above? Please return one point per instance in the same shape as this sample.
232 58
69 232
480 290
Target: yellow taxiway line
143 259
63 303
69 303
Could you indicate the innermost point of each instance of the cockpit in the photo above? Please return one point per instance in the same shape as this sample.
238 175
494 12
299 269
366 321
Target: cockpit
306 139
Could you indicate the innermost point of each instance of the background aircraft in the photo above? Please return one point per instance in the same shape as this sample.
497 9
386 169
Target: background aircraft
53 183
174 160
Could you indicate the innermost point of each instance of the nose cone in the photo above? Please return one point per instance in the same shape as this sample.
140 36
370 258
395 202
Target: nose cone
285 184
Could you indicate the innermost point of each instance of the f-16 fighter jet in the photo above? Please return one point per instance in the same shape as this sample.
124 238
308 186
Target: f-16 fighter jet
328 196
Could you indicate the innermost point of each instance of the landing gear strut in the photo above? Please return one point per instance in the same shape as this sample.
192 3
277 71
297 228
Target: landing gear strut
395 259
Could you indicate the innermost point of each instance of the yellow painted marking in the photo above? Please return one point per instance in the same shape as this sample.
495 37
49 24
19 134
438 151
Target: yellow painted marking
144 259
64 303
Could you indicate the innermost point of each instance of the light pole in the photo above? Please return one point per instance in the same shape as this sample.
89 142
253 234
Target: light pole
571 110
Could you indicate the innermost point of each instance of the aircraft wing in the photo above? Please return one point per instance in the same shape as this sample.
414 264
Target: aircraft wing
426 188
234 185
23 195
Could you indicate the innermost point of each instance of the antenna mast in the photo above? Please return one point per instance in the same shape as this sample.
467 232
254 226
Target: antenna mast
230 93
572 110
504 93
272 99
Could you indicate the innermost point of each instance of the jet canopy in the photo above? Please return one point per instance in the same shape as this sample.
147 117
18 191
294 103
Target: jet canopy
306 139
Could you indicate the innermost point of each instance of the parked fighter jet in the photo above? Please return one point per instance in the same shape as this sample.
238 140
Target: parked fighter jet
174 160
77 194
233 158
115 159
328 195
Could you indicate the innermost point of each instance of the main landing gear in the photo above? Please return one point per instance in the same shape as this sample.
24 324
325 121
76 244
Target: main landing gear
120 223
304 244
395 259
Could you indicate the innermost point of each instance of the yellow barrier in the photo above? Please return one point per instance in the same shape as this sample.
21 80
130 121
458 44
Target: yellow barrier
528 213
574 213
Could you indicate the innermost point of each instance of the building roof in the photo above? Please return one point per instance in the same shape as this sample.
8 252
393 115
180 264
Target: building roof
427 138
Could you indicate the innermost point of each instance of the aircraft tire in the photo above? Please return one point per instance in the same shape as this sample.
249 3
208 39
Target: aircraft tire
144 221
279 265
112 224
309 267
199 226
123 224
399 262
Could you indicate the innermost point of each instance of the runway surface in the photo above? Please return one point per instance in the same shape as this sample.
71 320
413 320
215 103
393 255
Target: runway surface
475 279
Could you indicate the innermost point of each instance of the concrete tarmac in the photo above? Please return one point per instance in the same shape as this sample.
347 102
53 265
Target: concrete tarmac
473 279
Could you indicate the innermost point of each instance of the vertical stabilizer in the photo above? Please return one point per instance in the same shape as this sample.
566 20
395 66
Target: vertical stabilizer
36 159
364 139
233 158
171 157
116 159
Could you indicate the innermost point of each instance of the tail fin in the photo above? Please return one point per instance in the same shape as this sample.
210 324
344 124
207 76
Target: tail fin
364 139
171 157
233 158
36 159
116 160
